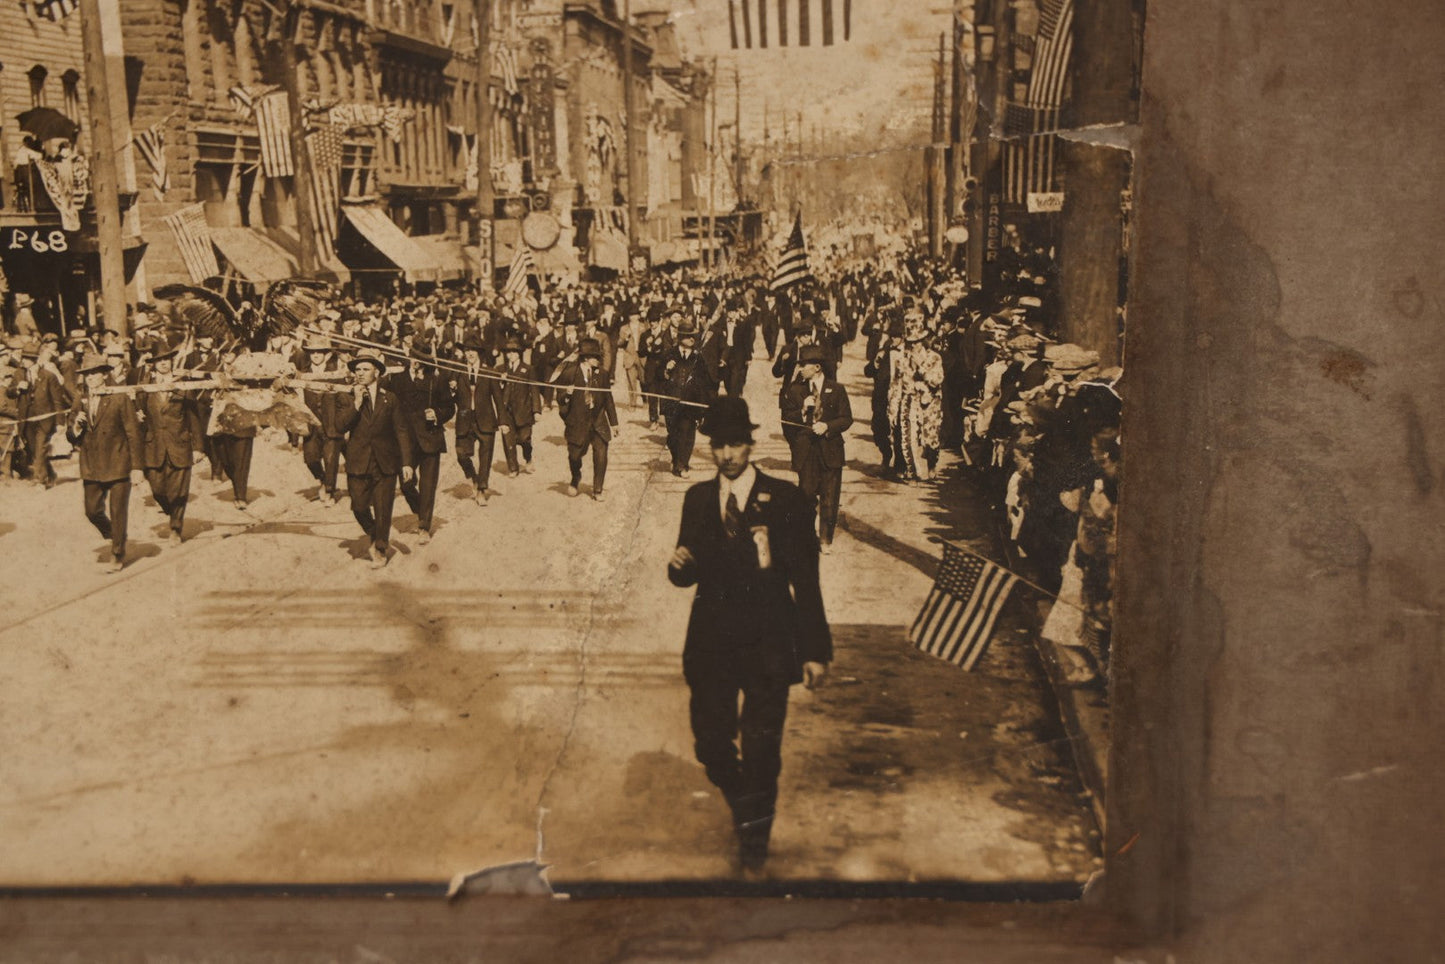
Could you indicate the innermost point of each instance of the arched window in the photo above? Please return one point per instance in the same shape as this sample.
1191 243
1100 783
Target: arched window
70 84
37 76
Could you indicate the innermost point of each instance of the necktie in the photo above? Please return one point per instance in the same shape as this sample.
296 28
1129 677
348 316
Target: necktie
733 517
366 402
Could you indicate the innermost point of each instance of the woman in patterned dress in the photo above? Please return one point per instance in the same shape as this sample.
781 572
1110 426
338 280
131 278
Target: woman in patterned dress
915 399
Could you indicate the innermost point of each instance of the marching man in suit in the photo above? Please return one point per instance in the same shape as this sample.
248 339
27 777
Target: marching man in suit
518 404
169 443
426 405
821 405
757 626
378 446
585 400
105 431
475 403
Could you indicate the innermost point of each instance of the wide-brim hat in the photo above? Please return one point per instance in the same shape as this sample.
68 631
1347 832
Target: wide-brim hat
727 420
93 362
810 355
367 357
590 348
686 330
316 343
167 349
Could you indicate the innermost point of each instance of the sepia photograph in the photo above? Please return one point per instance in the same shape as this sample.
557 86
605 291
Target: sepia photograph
597 448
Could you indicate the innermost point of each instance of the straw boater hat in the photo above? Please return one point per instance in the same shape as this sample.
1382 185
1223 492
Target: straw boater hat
727 421
367 356
1070 358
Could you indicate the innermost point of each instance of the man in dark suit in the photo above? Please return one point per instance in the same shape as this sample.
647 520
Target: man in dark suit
690 382
757 626
517 406
378 446
426 406
475 401
820 406
169 443
106 433
589 415
321 449
734 339
40 400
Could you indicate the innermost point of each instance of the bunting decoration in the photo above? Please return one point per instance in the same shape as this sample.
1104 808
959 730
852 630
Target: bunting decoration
749 22
151 144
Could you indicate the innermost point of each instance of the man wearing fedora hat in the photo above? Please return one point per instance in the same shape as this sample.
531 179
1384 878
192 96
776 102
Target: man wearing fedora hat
757 626
426 407
40 399
106 434
589 415
691 383
518 404
378 447
168 447
24 318
821 406
475 402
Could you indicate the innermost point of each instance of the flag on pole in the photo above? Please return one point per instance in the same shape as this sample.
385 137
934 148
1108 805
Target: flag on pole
273 124
958 617
792 266
323 146
193 236
151 143
522 265
749 28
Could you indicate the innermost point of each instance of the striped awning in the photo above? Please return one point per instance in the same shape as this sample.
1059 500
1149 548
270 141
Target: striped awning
372 223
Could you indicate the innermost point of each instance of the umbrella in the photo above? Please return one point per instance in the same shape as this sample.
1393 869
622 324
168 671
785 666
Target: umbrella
189 308
293 304
47 123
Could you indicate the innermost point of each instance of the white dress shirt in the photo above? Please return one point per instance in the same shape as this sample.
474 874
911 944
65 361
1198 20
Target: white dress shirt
742 487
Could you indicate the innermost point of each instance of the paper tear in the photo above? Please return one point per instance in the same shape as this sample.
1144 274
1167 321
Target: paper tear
1125 137
521 878
1368 774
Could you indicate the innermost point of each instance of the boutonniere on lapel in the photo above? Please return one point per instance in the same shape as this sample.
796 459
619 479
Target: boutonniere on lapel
765 496
765 549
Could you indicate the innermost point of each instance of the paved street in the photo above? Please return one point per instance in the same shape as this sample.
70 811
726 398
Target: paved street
259 706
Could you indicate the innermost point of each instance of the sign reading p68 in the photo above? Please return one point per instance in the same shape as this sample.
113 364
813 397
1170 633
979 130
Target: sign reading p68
35 240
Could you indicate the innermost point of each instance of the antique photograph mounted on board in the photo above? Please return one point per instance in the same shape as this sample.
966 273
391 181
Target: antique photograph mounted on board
603 446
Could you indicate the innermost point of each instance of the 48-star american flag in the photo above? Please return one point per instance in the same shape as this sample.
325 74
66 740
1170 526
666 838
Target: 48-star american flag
958 616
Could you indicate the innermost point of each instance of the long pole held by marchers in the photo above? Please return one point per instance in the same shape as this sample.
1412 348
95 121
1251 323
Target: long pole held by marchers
104 180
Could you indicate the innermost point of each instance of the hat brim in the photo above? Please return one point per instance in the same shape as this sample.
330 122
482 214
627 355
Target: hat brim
376 363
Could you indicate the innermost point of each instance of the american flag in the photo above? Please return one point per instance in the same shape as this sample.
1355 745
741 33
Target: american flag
522 265
792 266
273 124
958 616
748 21
193 237
151 143
324 146
55 10
1029 155
243 99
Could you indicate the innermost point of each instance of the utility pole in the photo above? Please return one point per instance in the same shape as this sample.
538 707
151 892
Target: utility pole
486 201
634 189
712 174
738 133
104 181
936 160
301 157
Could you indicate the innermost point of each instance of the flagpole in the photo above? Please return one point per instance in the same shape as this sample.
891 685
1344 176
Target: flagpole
629 108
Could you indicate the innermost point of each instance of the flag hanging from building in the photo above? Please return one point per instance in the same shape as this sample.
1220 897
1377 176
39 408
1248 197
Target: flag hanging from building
243 99
792 266
273 125
760 23
56 10
151 143
193 236
324 146
522 265
958 617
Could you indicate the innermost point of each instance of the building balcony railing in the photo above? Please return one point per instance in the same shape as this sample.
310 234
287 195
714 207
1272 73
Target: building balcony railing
422 33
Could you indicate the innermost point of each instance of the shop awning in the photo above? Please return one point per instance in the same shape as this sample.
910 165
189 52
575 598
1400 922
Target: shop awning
329 268
445 254
382 233
254 256
608 251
